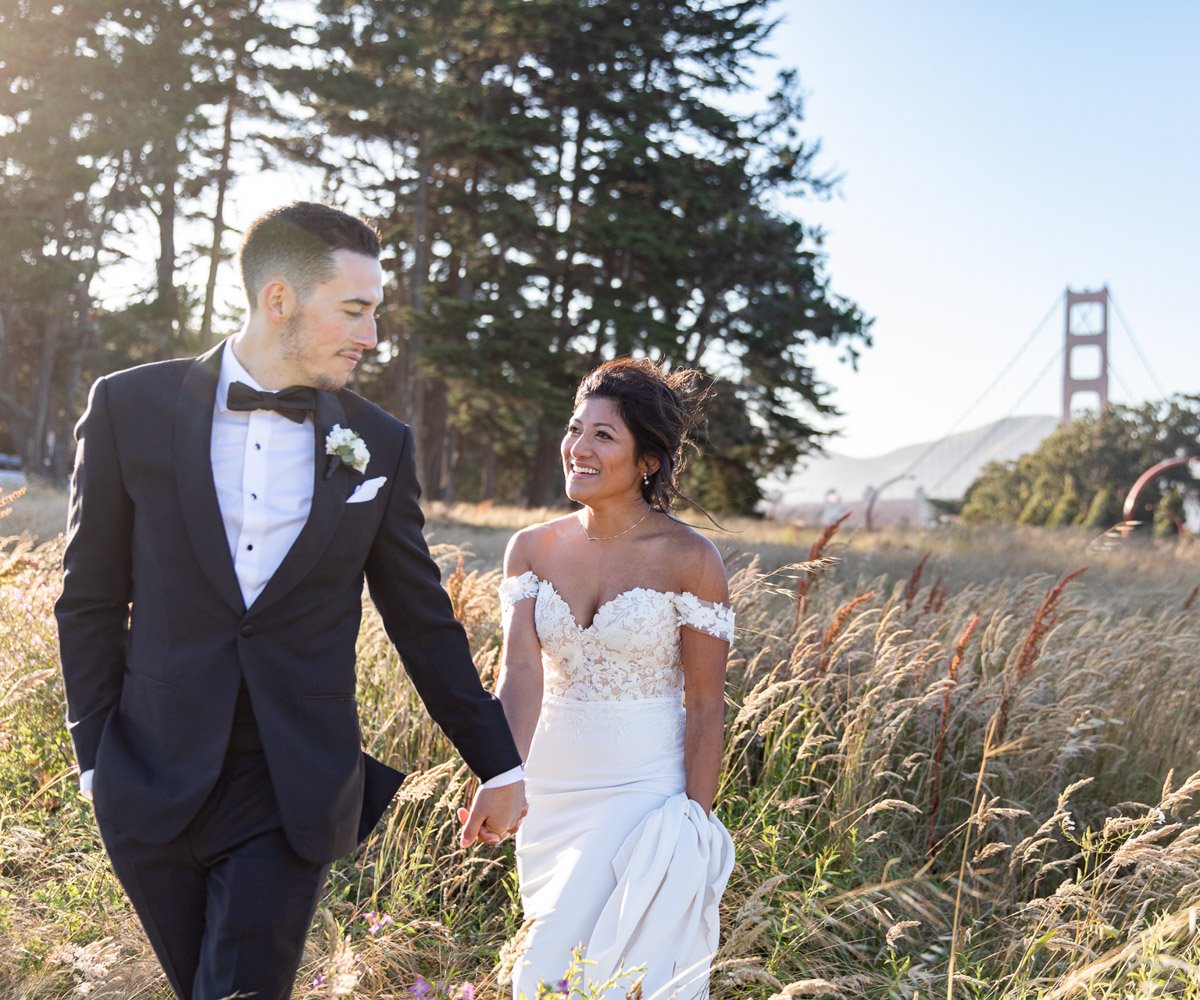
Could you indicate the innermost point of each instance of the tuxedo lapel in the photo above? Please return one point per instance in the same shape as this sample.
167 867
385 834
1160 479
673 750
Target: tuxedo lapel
328 503
194 477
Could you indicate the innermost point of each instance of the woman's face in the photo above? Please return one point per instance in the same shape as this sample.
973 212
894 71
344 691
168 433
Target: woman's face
598 454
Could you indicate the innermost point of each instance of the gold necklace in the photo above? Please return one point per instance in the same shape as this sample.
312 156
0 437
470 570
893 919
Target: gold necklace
607 538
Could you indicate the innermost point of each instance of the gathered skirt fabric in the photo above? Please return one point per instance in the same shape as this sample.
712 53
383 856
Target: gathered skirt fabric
616 864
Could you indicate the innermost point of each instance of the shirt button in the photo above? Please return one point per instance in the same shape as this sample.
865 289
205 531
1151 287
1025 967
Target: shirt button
257 446
246 631
253 496
249 548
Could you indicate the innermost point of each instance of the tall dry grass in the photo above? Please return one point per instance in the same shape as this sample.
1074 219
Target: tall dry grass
38 510
895 837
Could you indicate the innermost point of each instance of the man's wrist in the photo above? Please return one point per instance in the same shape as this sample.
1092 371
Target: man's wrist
510 777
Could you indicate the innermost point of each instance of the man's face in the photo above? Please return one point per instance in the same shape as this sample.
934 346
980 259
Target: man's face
327 334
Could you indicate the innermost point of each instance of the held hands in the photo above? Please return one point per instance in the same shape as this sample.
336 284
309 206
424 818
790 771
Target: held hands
494 815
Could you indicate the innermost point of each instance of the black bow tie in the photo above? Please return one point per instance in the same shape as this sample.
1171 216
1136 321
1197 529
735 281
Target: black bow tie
294 402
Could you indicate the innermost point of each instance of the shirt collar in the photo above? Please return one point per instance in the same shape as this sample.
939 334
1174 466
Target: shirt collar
232 370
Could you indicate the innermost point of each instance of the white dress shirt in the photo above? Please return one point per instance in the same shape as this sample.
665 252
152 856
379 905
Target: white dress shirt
263 468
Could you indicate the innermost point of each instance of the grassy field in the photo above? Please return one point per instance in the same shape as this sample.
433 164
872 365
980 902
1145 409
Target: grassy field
950 772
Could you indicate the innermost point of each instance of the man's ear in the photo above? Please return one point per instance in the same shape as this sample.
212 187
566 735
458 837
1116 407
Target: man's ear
276 300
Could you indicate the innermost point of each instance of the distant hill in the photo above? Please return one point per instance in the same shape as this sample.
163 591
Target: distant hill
943 469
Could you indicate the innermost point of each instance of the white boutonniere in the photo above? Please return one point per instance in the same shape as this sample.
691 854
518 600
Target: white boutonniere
344 445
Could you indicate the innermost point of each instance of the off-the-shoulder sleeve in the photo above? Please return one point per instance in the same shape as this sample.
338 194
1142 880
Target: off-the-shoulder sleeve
517 588
705 616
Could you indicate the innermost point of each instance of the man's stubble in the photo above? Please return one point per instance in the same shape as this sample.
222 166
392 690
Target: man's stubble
292 343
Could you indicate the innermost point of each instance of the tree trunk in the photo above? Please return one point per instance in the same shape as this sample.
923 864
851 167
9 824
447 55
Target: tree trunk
545 485
489 471
167 300
7 350
35 450
15 415
73 394
214 253
452 464
570 241
419 401
431 444
396 380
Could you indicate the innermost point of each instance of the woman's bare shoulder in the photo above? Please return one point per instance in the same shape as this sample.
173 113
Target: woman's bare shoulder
528 545
697 564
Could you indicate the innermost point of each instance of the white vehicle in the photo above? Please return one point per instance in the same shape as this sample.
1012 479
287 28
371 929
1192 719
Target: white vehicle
11 475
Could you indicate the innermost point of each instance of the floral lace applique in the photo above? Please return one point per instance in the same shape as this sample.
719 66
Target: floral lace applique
514 589
630 651
705 616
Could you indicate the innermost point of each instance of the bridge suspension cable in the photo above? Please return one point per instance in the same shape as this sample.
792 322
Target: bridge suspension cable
934 445
1136 346
1124 385
999 423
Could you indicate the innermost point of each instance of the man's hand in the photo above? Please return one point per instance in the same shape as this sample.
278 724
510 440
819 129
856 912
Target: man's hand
494 815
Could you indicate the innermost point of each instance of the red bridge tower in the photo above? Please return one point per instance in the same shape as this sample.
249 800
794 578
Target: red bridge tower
1085 348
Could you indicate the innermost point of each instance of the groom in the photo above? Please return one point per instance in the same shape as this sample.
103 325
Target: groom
224 513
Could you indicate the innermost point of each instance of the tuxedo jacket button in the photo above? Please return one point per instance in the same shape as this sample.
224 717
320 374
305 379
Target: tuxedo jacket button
246 631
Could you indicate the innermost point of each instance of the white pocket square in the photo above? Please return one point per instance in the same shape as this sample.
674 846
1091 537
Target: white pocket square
366 490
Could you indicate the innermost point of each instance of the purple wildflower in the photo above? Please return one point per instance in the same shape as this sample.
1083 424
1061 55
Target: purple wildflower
420 988
318 981
376 921
467 992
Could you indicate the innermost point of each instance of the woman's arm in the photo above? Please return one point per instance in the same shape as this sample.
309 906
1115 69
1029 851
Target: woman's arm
520 685
704 695
704 658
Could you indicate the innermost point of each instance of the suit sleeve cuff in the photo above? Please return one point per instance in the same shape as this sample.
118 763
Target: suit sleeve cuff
85 783
510 777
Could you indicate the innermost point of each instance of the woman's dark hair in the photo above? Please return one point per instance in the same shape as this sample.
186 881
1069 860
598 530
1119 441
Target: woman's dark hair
297 241
660 409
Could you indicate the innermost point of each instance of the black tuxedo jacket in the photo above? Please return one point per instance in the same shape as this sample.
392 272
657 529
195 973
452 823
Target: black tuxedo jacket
155 636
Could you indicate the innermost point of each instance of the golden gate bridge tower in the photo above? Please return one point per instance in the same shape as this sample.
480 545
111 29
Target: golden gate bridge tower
1085 348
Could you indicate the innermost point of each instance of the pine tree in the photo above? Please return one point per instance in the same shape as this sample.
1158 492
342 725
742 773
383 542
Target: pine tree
558 184
1104 511
1066 508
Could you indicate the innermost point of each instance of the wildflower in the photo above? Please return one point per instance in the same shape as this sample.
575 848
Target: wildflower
420 988
376 921
319 980
467 992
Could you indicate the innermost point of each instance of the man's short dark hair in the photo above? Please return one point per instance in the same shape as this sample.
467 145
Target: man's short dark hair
296 242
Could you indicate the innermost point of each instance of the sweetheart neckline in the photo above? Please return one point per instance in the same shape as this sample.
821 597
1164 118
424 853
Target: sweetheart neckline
603 604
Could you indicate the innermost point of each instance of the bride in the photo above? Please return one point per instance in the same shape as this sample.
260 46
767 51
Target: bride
616 631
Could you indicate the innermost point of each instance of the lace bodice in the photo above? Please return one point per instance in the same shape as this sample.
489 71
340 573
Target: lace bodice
631 649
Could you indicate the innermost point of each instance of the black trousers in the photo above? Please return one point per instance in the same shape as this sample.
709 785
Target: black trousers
226 905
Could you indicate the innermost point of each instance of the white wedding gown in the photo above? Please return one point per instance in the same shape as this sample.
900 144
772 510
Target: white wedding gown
613 856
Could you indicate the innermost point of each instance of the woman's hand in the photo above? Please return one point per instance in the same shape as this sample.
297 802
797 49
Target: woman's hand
495 814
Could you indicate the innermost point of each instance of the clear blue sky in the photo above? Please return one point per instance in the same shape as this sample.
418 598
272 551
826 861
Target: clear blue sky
995 153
